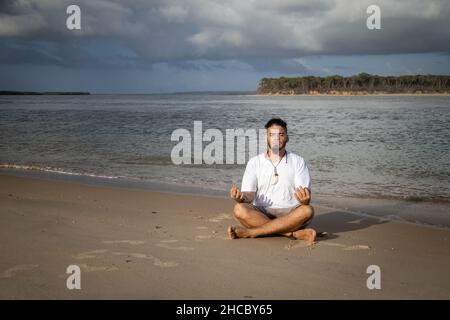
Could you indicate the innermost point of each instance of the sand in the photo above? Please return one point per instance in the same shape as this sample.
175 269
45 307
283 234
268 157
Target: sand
153 245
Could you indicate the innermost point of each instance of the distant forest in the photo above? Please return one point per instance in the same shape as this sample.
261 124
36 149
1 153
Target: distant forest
362 83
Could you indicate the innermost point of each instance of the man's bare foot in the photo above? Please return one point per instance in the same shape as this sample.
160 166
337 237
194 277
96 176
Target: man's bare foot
308 235
238 232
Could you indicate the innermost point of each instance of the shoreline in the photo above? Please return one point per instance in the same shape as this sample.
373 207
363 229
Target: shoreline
156 245
385 209
399 210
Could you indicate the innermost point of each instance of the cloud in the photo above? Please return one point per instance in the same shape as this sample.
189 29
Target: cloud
261 34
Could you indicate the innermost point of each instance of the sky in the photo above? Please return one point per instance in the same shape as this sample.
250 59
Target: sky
162 46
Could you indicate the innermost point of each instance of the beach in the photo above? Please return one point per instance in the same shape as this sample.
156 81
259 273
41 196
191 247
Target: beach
140 244
130 130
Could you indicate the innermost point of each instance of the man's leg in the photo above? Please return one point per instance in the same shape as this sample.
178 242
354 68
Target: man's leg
288 224
249 217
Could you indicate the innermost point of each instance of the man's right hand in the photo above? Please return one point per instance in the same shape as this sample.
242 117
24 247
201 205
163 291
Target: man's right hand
236 195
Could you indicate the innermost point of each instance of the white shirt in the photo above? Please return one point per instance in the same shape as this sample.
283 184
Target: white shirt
292 172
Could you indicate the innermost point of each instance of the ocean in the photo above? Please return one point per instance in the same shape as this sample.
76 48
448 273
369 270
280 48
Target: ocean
385 151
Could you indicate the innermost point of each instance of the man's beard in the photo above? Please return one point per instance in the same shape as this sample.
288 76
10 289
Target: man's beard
275 148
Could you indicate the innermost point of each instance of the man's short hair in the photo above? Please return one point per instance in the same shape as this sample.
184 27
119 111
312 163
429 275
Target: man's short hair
276 121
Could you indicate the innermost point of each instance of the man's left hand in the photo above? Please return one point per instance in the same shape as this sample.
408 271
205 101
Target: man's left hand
303 195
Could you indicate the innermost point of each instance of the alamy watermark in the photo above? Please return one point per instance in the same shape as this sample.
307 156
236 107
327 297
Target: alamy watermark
373 22
74 280
232 146
73 21
374 280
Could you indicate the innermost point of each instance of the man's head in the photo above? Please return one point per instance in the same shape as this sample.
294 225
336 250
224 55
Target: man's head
277 136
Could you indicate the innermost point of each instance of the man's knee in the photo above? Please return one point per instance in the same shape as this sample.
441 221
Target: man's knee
309 211
240 210
306 211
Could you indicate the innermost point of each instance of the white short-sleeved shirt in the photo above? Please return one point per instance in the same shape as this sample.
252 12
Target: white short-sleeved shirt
292 172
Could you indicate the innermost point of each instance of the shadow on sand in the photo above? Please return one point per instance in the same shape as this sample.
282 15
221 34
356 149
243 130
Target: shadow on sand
329 225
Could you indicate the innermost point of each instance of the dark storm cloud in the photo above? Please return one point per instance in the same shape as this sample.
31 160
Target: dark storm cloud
261 34
413 35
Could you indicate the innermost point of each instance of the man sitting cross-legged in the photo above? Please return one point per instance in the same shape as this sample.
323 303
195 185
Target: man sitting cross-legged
275 192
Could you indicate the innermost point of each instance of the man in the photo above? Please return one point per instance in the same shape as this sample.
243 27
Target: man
276 191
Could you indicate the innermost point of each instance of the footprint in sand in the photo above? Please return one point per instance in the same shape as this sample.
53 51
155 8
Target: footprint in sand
14 270
202 227
297 244
220 217
133 242
346 248
94 253
89 254
165 245
332 244
169 241
156 261
134 255
87 268
357 247
202 237
167 264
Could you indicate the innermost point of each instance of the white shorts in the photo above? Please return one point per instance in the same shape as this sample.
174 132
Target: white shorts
274 213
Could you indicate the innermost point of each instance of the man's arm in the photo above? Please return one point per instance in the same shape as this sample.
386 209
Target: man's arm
302 179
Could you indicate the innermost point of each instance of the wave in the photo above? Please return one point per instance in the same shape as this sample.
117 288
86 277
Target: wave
27 167
222 175
409 198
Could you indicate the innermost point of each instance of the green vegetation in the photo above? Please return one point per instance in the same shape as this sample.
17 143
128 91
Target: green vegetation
362 83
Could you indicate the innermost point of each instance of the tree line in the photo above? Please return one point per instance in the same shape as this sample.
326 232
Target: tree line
362 83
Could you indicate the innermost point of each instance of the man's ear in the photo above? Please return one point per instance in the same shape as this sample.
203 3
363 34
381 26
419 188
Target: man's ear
287 138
